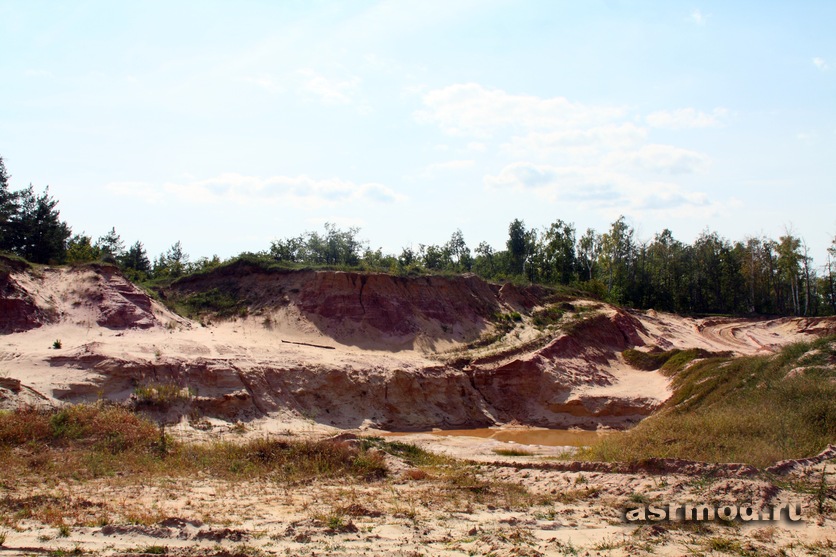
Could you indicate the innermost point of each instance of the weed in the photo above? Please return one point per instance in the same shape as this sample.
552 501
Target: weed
822 494
547 316
63 531
513 452
2 538
723 545
153 550
415 456
160 394
608 544
56 344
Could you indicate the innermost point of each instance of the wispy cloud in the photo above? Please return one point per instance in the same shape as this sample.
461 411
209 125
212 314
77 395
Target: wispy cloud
698 17
599 188
469 109
599 157
231 188
820 63
663 158
329 91
579 142
685 118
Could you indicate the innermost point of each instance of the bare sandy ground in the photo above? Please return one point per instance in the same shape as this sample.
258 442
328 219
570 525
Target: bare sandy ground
510 511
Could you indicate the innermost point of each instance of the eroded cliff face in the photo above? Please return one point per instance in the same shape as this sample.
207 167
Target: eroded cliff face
370 310
18 310
88 295
345 349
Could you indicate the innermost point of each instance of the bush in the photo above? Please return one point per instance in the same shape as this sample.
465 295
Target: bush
160 394
110 428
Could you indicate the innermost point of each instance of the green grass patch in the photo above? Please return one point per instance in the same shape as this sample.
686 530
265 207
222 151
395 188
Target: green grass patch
411 454
670 361
547 316
756 410
512 452
216 301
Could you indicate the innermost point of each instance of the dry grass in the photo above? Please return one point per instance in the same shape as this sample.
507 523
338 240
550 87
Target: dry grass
755 410
95 440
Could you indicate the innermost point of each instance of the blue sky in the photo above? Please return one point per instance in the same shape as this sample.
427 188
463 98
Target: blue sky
228 124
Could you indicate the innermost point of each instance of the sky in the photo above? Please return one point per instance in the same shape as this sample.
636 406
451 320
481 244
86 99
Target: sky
227 125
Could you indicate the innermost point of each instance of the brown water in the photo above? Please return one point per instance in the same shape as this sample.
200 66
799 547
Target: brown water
547 437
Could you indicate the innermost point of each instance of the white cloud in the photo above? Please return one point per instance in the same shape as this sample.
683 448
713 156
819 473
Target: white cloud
663 158
599 188
820 63
594 156
698 17
231 188
579 142
329 91
686 118
469 109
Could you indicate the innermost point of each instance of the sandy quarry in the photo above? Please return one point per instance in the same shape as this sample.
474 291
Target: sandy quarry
403 356
400 353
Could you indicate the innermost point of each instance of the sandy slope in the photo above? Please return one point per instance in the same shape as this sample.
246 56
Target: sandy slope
405 377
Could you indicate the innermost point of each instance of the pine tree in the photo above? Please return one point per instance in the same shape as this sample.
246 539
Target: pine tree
136 259
111 246
8 208
37 233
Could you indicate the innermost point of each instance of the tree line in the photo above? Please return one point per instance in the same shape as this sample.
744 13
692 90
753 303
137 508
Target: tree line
756 275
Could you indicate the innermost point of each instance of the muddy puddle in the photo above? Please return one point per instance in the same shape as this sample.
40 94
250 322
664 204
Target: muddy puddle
546 437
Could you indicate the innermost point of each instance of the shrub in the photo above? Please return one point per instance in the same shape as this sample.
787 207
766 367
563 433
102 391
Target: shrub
160 394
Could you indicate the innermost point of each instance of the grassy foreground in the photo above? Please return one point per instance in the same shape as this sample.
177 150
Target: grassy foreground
755 410
89 441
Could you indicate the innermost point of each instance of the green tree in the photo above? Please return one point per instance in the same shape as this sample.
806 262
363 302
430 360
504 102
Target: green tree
110 246
435 258
37 232
136 259
8 208
484 263
615 258
81 250
558 249
173 263
589 247
460 257
518 247
830 271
